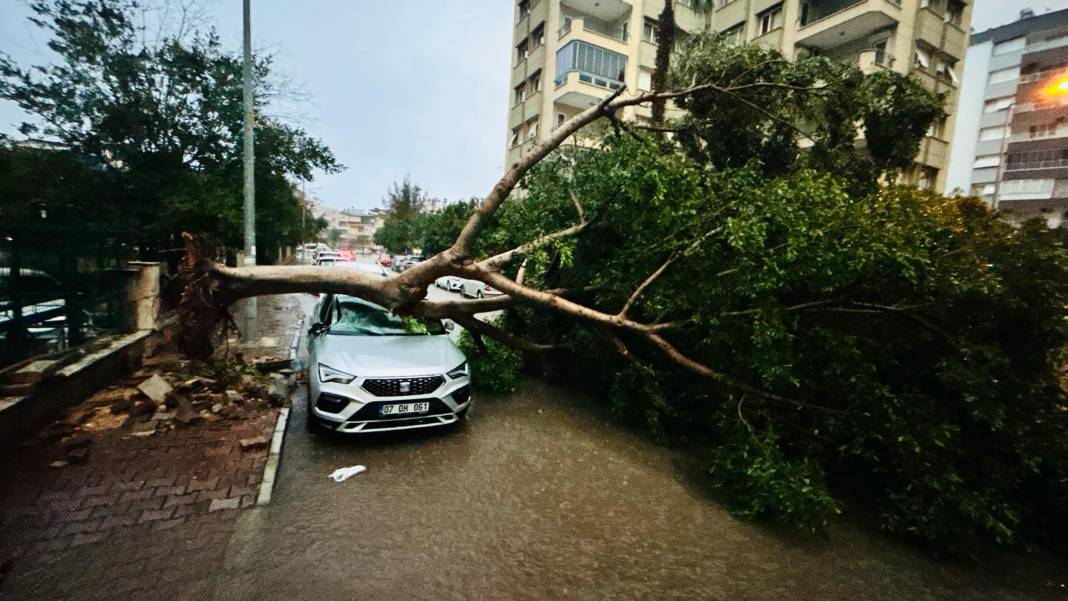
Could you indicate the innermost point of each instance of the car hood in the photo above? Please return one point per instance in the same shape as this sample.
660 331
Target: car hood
390 355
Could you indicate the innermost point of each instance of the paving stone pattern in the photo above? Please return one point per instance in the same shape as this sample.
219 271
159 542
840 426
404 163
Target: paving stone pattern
143 518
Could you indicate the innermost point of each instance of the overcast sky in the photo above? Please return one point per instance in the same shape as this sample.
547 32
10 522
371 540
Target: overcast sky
396 88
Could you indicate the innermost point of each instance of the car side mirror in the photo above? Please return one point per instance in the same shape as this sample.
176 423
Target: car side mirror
316 329
449 324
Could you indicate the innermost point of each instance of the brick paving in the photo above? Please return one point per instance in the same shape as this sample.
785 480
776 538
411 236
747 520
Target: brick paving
142 518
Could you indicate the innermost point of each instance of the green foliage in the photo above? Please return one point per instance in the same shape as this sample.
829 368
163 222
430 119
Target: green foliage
756 480
156 127
493 369
888 342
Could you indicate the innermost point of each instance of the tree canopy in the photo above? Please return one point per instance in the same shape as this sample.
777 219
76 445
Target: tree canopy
153 119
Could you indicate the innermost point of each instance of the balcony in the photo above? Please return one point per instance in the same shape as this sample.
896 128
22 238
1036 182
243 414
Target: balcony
932 28
594 32
830 23
581 89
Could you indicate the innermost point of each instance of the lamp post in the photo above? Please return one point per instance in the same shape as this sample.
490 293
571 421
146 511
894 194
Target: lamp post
249 168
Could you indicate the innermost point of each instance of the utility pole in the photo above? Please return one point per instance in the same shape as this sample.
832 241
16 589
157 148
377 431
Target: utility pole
249 168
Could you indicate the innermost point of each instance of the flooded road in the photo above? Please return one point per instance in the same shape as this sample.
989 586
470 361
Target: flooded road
540 497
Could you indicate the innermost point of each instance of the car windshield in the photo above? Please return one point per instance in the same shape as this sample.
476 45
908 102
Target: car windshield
356 317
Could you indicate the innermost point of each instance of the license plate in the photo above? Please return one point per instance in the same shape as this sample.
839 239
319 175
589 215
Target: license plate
404 408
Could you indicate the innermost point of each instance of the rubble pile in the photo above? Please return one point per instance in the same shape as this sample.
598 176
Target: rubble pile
171 392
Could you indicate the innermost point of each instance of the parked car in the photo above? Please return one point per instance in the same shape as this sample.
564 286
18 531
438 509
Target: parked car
398 262
370 370
345 254
451 283
327 258
372 268
476 289
385 261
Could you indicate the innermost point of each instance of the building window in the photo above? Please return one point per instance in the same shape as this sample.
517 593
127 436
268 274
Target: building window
1003 75
1013 45
520 94
986 161
514 139
923 60
645 79
926 178
937 129
534 82
955 13
770 19
521 51
947 72
982 189
735 36
991 133
560 119
1026 189
649 30
596 65
532 129
997 104
537 37
524 8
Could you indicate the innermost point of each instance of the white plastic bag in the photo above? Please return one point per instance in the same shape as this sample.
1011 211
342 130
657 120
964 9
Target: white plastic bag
344 473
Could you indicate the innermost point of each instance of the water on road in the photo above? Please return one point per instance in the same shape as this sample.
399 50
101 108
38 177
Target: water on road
540 497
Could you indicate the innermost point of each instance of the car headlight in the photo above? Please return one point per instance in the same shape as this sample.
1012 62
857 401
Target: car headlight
329 374
459 371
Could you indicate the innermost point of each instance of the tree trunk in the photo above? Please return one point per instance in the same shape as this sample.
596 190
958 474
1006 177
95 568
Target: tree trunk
665 41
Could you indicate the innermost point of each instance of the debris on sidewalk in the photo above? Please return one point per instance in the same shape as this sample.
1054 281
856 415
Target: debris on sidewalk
259 442
344 473
156 388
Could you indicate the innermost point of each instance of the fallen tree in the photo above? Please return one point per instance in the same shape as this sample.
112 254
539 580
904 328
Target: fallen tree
746 277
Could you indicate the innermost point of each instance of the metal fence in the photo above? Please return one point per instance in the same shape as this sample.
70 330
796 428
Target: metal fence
59 287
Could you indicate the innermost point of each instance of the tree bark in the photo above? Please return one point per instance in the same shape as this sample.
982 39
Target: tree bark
665 41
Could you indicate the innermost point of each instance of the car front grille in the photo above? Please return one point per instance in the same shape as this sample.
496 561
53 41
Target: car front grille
386 387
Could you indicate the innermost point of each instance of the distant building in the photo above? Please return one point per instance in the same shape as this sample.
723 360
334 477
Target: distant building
1011 142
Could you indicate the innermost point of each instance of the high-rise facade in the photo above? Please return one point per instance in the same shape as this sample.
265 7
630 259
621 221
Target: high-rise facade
567 54
1011 146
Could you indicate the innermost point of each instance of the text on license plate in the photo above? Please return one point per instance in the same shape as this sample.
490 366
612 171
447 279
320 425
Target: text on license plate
399 408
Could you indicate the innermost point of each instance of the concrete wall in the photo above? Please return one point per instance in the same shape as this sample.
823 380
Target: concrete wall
969 115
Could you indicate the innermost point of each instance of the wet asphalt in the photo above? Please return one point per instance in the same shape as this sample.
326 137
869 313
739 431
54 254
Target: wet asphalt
540 495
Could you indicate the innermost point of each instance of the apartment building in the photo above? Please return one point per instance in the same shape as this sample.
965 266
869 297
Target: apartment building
1011 146
570 53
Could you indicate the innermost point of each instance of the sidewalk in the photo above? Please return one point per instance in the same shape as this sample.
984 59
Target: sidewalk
126 499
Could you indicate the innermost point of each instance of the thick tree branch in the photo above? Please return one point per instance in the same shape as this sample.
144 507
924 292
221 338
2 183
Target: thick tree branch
487 329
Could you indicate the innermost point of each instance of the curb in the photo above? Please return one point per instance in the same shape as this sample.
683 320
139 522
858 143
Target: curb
273 457
293 346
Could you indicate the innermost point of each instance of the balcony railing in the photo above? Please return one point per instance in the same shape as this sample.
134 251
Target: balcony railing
820 11
1035 165
590 78
581 24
